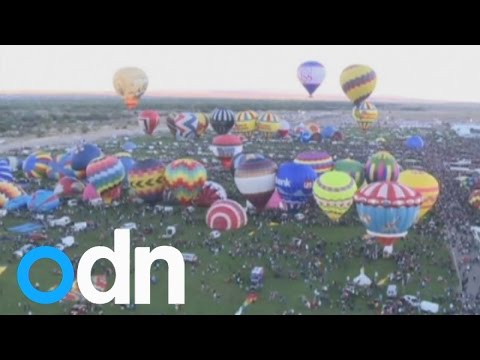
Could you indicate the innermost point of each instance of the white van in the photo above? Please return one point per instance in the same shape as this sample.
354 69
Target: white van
63 222
429 307
82 226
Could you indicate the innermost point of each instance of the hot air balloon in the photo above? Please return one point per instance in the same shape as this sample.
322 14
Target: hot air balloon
423 183
185 178
14 162
225 148
63 165
149 121
222 121
321 162
6 174
211 192
127 161
246 123
388 210
306 137
9 192
147 179
338 136
382 167
353 168
311 75
43 202
255 179
69 187
358 82
90 194
203 124
226 215
334 192
415 143
131 83
366 115
314 128
241 158
474 199
268 125
82 156
294 184
107 174
285 128
328 132
183 126
38 165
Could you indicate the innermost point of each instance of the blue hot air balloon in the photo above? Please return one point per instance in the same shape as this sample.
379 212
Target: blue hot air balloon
6 174
43 201
415 143
328 132
83 155
294 184
306 137
311 75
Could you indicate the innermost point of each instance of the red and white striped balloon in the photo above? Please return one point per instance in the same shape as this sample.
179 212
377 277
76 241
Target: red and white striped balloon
226 215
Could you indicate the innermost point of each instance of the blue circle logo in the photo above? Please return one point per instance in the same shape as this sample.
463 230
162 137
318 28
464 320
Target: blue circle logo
23 275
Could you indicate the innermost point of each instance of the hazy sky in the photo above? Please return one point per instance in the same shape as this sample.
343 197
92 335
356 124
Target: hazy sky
443 72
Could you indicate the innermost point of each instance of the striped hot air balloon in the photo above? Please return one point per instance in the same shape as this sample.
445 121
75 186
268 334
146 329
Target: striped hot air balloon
128 162
334 192
358 83
366 115
255 179
268 125
211 192
321 162
147 179
388 210
43 201
425 184
241 158
9 192
38 165
106 174
226 215
382 167
294 184
222 121
6 174
246 123
149 121
82 156
185 178
183 126
353 168
226 147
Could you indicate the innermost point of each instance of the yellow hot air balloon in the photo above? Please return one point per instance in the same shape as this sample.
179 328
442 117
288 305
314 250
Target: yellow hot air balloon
425 184
131 83
334 192
358 82
366 114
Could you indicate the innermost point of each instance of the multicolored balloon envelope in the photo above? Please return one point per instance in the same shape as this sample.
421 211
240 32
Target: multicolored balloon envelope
43 201
147 179
9 192
358 83
68 187
382 167
183 126
334 192
38 165
149 121
295 184
366 115
255 179
203 124
82 156
226 215
185 178
107 173
6 174
63 165
425 184
131 83
241 158
388 210
353 168
246 123
222 121
415 143
269 125
311 75
321 162
226 147
211 192
474 199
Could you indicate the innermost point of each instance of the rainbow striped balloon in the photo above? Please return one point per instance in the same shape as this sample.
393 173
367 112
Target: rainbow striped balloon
358 82
226 215
382 167
38 165
321 162
106 174
185 178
